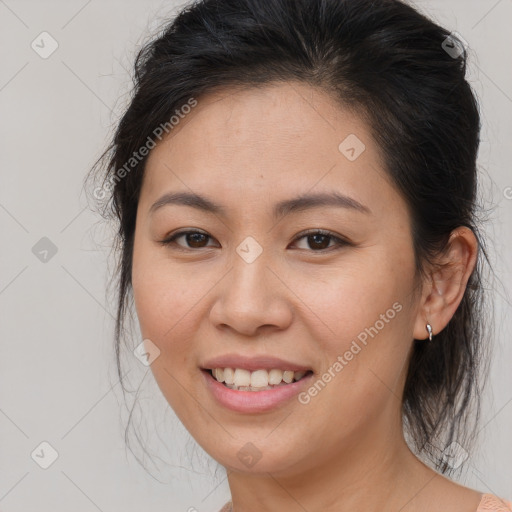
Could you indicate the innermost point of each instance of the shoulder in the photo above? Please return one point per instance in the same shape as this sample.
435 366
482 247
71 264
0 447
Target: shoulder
491 503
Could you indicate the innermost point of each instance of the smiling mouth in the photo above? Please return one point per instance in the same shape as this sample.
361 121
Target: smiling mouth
240 379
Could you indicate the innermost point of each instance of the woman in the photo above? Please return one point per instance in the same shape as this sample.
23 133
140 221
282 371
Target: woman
295 184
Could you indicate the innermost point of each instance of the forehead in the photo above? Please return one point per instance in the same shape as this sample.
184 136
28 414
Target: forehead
277 140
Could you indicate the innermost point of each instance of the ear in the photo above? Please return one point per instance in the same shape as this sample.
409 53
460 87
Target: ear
447 282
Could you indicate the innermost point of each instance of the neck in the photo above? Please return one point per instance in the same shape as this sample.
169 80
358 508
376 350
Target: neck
371 473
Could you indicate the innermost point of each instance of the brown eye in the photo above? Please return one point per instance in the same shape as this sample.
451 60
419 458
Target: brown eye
194 239
320 240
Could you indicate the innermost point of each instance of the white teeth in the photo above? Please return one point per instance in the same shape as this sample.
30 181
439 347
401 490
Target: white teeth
288 376
229 376
242 377
299 375
259 379
244 380
275 377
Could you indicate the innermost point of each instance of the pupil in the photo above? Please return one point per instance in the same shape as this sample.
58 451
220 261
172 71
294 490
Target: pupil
316 237
194 237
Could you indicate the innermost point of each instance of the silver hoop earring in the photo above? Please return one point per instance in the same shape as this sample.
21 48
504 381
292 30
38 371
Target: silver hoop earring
429 329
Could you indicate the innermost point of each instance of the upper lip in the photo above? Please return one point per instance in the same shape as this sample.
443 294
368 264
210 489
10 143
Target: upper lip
261 362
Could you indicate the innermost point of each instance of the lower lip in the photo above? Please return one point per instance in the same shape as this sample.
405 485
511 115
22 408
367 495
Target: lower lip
254 401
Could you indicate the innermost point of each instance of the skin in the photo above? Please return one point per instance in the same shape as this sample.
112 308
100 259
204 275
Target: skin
248 149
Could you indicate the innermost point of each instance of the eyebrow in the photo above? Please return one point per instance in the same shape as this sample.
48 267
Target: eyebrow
296 204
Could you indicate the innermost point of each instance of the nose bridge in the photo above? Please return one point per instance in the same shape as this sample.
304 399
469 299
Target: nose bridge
251 296
249 285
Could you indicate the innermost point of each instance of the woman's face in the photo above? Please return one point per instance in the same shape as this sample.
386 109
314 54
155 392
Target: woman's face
258 284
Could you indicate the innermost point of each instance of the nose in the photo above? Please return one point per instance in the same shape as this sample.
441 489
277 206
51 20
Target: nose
252 300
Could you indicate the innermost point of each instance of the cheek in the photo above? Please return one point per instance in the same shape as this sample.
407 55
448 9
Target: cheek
171 301
165 302
352 297
365 332
162 294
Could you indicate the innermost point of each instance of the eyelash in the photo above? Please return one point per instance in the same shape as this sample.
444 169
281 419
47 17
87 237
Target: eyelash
339 241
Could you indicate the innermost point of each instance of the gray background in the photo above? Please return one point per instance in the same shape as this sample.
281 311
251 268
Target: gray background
57 375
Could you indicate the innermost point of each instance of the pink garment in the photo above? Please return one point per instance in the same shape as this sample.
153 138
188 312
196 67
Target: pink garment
489 503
